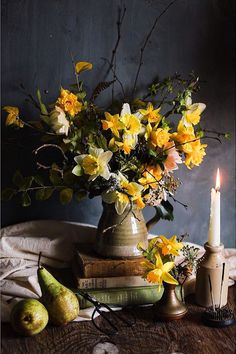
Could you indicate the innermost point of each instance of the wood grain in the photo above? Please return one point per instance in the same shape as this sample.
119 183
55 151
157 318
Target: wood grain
187 336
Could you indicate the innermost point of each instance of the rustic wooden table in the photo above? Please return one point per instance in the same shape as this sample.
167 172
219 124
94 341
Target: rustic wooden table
187 336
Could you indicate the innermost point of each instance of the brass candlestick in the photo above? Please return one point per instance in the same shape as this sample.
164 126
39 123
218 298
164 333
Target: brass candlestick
212 278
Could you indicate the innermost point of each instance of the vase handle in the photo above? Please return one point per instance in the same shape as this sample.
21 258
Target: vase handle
152 222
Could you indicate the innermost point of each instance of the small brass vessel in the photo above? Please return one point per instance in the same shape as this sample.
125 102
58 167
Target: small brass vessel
169 307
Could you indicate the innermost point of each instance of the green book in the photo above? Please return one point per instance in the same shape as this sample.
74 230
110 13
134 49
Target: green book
141 295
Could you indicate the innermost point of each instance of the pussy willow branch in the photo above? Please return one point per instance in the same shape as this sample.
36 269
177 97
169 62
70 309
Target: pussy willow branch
114 51
44 146
146 42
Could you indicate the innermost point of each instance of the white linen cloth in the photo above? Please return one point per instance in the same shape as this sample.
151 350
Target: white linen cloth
21 244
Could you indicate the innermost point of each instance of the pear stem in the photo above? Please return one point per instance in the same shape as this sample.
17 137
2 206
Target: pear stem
40 255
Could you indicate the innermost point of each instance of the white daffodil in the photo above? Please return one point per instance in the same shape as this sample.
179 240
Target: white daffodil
94 164
193 113
59 122
132 192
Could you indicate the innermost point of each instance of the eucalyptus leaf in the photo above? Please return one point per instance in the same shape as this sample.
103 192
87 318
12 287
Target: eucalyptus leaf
80 195
18 179
7 194
25 199
44 193
66 195
55 178
27 182
38 180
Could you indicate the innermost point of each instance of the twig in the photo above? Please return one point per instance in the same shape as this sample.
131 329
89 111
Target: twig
119 24
48 167
50 145
146 42
115 77
73 63
177 201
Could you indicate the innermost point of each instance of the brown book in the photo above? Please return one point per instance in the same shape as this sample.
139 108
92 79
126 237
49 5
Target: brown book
90 265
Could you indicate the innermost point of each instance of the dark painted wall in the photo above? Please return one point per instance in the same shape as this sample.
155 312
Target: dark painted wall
194 35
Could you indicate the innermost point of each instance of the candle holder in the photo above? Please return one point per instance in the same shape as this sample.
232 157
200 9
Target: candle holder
212 278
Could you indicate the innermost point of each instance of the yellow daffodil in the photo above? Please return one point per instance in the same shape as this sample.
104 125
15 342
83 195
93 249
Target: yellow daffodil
69 102
94 164
129 142
159 137
152 115
195 156
184 137
159 272
58 121
150 177
132 192
132 124
13 116
169 246
193 113
113 123
82 66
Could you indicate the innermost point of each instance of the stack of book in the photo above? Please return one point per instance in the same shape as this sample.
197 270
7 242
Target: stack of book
115 282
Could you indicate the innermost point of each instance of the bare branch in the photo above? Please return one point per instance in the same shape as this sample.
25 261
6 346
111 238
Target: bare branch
119 24
50 145
146 42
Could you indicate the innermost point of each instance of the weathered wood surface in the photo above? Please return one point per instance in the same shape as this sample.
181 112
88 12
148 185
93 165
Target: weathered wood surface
187 336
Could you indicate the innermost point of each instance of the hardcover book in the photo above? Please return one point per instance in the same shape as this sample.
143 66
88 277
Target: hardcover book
90 265
109 282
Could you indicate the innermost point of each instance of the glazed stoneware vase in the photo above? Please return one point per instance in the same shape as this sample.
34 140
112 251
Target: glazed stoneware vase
118 235
169 307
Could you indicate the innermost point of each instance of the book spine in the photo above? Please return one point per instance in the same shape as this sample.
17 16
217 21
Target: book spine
111 282
123 297
112 269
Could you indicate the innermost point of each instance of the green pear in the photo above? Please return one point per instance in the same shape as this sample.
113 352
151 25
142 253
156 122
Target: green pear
62 304
29 317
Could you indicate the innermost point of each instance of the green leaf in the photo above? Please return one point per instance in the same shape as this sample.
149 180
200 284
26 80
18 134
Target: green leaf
27 182
18 179
77 170
7 194
69 178
165 210
39 180
81 95
44 193
66 195
102 142
25 199
152 153
55 178
42 106
80 195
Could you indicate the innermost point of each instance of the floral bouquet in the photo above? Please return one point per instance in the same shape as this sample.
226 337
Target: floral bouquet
126 153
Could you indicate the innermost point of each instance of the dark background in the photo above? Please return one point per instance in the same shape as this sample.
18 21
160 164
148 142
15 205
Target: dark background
194 35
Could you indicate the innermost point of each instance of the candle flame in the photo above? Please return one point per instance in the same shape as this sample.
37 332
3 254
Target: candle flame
217 187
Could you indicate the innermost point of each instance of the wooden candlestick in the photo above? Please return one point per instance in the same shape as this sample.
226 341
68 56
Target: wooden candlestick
211 267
